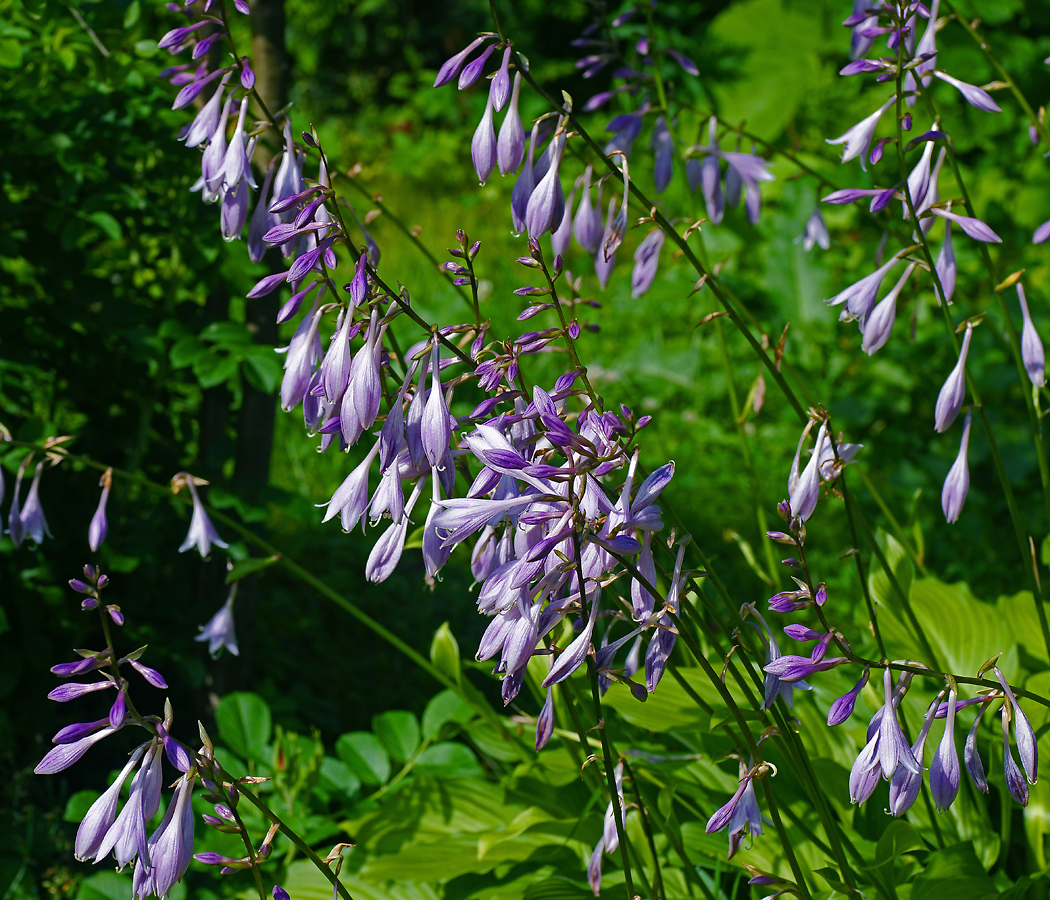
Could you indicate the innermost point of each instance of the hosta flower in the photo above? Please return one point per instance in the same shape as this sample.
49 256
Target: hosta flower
219 631
202 533
945 267
805 491
842 708
957 484
858 139
646 262
170 846
483 145
944 770
815 234
953 391
879 323
1024 734
1031 346
906 784
34 522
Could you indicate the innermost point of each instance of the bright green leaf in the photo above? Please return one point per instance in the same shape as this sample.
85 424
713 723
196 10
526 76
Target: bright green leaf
365 755
399 732
244 723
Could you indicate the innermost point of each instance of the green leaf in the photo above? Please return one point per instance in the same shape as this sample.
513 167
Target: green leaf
399 732
131 15
444 652
556 889
901 566
833 880
226 333
336 775
185 351
105 886
10 53
109 225
304 882
956 873
248 566
447 706
363 752
899 837
448 760
262 368
212 369
244 723
78 805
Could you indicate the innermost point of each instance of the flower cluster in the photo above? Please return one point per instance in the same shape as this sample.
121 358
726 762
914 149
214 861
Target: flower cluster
159 859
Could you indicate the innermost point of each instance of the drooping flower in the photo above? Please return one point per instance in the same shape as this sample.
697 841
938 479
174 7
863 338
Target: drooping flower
170 846
905 784
953 391
1031 346
957 484
972 94
858 138
879 323
944 770
946 267
510 146
842 708
219 631
1015 782
483 145
806 491
33 520
860 296
815 234
646 262
1024 734
202 533
450 68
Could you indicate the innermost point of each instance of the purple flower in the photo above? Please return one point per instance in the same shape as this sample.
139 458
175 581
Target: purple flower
472 70
944 770
971 757
905 785
572 657
170 846
885 750
805 491
945 267
879 323
545 721
510 146
971 93
587 225
646 262
975 228
950 399
741 814
796 668
301 357
126 837
1024 734
65 755
483 145
1015 782
858 138
842 708
435 428
815 234
219 630
202 534
544 209
957 484
33 521
450 68
859 297
103 811
1031 346
663 148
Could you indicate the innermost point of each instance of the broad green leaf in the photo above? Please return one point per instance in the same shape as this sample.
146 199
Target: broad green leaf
105 886
10 53
304 882
244 723
399 732
262 368
444 652
212 369
899 838
185 351
109 225
336 775
668 707
447 759
1037 822
447 706
365 755
882 590
226 333
956 873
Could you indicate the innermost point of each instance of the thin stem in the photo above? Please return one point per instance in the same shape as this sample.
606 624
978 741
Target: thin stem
298 841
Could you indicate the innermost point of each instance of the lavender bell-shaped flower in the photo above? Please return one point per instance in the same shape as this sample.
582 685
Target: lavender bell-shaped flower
663 150
99 527
561 236
944 770
879 323
483 145
219 631
33 519
170 846
450 68
905 784
603 265
945 267
971 758
1031 346
950 399
102 813
858 139
860 296
202 534
524 186
957 484
646 262
842 708
543 209
1015 782
435 428
499 88
1024 734
587 225
15 527
806 492
816 233
510 146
